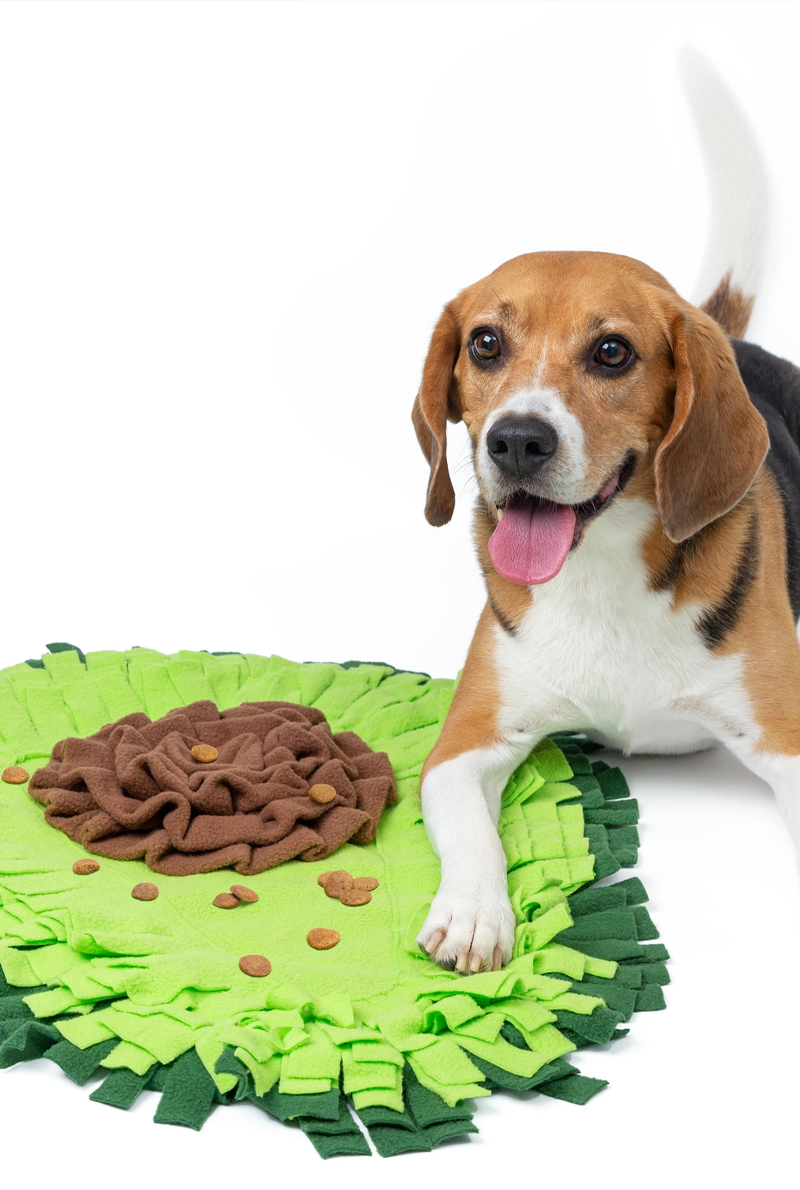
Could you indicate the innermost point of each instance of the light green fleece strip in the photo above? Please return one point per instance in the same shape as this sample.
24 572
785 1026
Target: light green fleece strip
170 966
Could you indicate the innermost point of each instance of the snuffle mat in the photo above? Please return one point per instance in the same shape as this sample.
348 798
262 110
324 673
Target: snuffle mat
370 1039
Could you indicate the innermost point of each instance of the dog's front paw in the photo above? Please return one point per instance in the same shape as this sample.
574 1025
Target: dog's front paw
469 930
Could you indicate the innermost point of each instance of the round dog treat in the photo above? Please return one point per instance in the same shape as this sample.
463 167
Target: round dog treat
85 867
255 964
145 891
366 883
226 901
337 883
244 893
205 753
324 877
16 775
355 896
322 793
322 939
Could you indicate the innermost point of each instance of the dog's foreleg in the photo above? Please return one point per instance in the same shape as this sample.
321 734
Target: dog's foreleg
471 923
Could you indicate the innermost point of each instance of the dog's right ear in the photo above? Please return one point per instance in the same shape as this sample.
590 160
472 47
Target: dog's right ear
435 404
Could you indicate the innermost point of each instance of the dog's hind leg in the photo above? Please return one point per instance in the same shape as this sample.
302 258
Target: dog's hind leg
783 774
759 722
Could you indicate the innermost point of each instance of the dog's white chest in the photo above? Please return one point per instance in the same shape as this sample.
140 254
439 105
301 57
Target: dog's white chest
599 650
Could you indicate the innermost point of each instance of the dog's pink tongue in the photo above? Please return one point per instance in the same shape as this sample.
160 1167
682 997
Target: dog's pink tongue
532 540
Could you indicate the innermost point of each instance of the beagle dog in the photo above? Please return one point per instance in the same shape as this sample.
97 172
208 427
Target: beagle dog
638 528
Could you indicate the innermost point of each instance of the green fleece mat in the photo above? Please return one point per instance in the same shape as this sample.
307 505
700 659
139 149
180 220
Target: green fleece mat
369 1038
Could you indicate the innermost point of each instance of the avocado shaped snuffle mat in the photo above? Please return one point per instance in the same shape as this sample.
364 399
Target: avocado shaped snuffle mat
366 1037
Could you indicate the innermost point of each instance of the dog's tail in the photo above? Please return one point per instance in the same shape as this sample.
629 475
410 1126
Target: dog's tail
739 191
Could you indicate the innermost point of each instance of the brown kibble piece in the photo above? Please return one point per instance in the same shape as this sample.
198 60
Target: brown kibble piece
255 964
244 893
366 883
85 867
324 877
204 753
322 793
226 901
322 939
15 774
338 883
355 896
145 891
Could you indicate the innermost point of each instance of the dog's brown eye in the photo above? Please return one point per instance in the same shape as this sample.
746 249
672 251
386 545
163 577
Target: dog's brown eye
613 353
486 345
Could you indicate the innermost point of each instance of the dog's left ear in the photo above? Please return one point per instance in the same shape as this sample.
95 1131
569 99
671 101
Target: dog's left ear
435 404
717 440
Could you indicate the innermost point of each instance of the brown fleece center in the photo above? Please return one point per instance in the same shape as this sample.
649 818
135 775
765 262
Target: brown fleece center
134 791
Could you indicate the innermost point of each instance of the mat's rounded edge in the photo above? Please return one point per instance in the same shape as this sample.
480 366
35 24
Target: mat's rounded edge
188 1092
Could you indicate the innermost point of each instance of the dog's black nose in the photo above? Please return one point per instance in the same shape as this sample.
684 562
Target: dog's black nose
520 445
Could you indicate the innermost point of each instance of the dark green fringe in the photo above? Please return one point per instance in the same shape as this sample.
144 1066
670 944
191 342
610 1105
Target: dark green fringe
609 923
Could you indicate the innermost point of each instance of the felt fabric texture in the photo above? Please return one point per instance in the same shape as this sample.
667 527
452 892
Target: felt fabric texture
425 1122
120 1088
133 790
79 1065
151 992
188 1094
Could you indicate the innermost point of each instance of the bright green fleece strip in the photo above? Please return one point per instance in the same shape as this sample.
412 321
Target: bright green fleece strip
146 982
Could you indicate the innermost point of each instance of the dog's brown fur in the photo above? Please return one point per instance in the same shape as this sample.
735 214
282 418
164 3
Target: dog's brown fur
472 718
730 307
684 412
694 608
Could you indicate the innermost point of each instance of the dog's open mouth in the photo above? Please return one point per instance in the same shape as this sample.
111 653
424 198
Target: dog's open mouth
534 536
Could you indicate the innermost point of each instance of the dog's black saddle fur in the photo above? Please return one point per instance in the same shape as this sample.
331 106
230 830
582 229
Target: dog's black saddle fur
774 388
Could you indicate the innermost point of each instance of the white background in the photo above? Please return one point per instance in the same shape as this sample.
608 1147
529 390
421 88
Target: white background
226 231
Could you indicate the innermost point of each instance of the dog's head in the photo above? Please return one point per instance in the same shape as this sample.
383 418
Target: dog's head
575 372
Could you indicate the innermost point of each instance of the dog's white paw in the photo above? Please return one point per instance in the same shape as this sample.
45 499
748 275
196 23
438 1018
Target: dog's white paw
469 930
